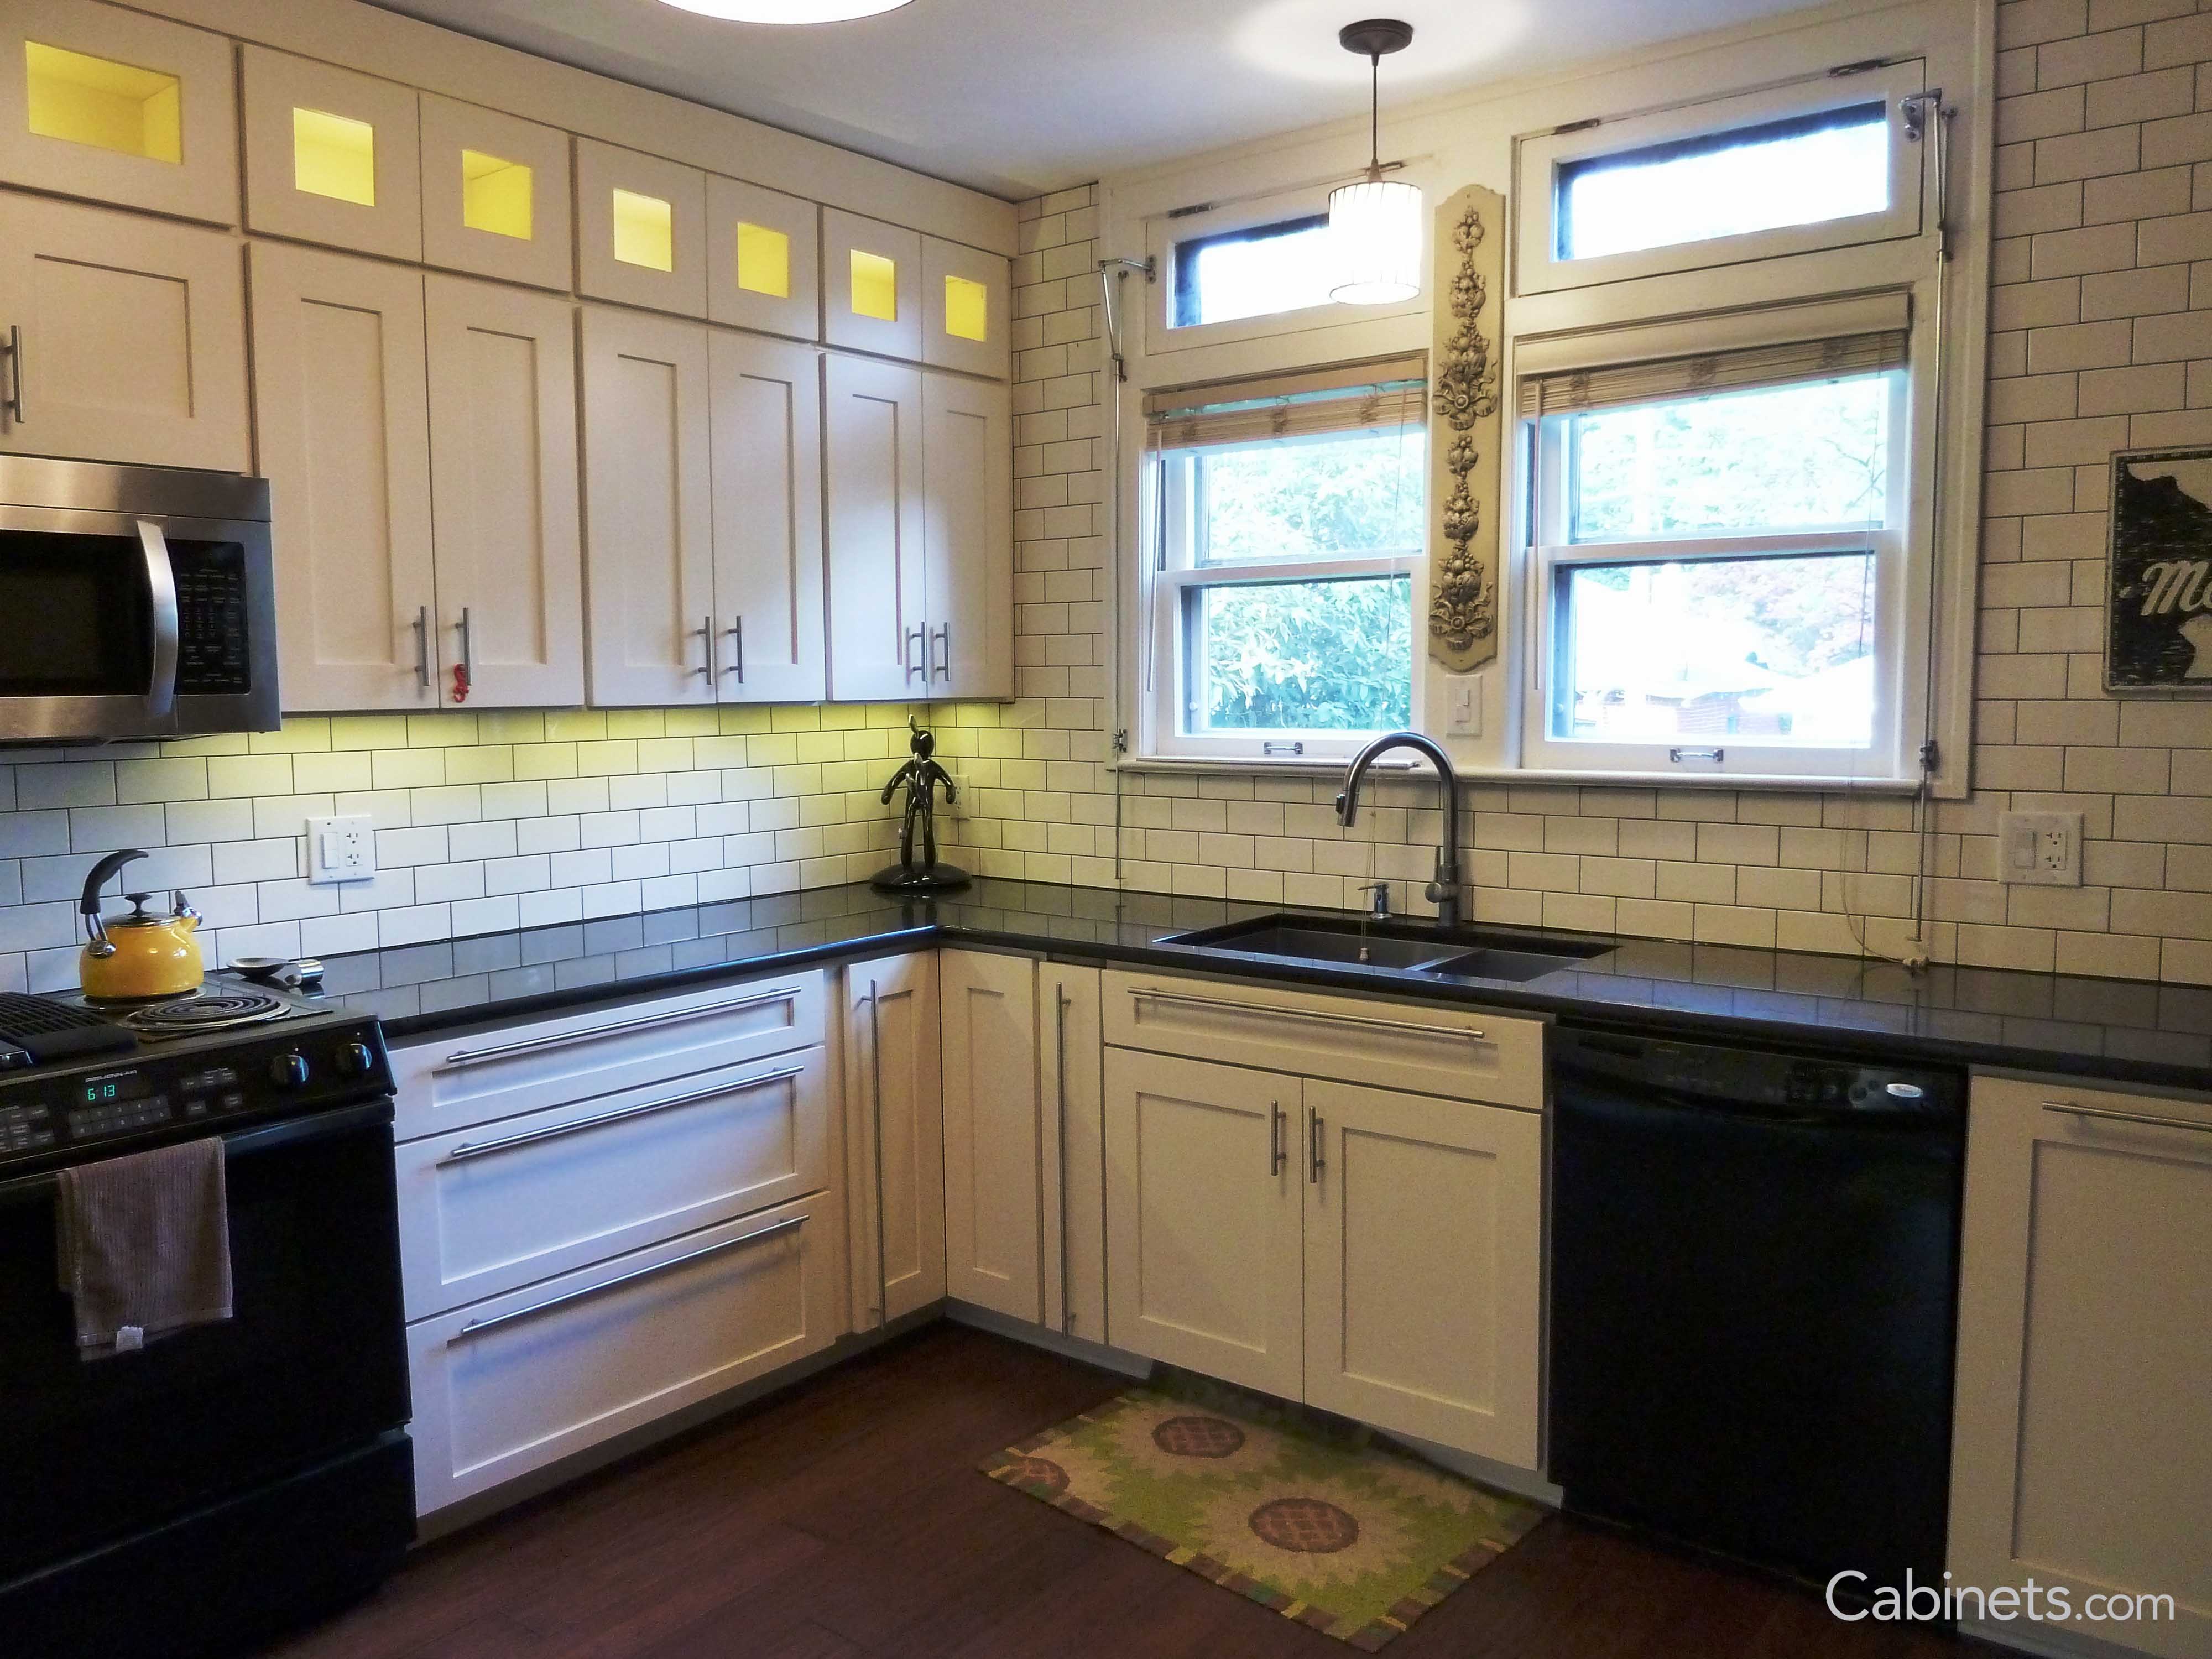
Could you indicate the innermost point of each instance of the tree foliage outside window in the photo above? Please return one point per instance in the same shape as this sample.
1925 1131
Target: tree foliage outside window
1326 498
1316 656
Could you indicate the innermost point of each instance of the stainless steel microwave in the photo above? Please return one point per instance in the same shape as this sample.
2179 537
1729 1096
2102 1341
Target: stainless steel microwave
135 602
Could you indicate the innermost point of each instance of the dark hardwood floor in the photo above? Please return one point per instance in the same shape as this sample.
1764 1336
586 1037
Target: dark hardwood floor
845 1518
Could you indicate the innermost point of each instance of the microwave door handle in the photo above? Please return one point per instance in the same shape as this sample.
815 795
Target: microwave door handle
162 590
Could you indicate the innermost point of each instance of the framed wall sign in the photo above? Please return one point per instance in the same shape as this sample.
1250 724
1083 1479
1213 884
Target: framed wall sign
2158 599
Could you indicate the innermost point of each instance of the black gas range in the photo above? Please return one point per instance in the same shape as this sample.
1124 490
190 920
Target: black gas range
229 1480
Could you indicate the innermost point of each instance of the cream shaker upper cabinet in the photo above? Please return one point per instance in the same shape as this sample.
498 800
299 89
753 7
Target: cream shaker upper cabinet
964 309
495 194
872 437
763 260
340 401
503 456
871 286
649 522
766 427
124 338
641 229
331 156
120 107
966 450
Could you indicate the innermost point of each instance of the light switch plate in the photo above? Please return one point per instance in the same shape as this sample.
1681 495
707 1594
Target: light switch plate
2039 849
1464 692
340 849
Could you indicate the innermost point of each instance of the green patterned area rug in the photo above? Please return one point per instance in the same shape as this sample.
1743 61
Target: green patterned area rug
1300 1513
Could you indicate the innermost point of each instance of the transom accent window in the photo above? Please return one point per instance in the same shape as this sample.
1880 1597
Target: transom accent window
1285 517
1721 564
1252 272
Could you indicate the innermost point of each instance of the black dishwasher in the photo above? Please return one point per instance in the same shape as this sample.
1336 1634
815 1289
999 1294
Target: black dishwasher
1755 1284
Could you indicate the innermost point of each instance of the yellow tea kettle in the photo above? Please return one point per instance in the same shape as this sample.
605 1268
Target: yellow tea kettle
137 957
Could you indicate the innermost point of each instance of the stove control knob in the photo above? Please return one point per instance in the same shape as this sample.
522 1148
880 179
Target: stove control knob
355 1059
289 1071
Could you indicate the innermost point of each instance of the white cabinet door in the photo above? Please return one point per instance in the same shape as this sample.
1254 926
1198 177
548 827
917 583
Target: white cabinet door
767 429
967 460
1203 1213
871 285
1424 1246
993 1209
496 196
895 1131
510 1385
763 260
641 229
119 107
125 338
872 445
2085 1355
504 465
331 155
964 309
649 523
489 1210
1070 1062
340 400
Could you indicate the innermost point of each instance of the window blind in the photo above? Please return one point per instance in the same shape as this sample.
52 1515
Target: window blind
1357 397
1568 390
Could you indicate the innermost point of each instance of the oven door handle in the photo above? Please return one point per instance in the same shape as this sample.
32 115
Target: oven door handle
161 597
243 1143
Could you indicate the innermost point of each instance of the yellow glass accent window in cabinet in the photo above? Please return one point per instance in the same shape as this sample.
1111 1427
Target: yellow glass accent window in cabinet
334 155
644 231
966 309
495 195
764 260
875 286
84 100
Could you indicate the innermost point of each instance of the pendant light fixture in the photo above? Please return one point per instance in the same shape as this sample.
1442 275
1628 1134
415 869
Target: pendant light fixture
788 11
1375 225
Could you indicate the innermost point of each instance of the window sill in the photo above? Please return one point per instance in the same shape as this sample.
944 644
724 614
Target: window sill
1775 783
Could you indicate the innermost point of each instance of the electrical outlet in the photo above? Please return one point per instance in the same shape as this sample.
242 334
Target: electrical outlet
340 849
956 805
1466 691
2040 849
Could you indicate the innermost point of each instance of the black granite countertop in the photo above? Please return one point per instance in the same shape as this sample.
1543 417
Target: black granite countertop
2123 1030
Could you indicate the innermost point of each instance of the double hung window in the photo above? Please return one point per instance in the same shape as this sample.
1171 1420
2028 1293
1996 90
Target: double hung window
1285 519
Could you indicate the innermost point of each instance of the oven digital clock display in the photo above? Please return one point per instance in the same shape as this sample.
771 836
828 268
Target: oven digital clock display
112 1087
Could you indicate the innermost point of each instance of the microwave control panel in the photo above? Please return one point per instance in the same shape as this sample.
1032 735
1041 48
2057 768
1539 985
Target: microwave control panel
214 656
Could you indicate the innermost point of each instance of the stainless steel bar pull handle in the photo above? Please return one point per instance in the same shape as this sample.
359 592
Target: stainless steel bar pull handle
876 1069
468 637
475 1326
616 1028
1278 1154
1315 1140
906 652
2143 1118
468 1150
705 669
422 645
944 653
15 404
738 634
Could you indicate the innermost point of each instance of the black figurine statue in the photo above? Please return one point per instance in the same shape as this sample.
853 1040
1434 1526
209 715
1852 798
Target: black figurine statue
920 775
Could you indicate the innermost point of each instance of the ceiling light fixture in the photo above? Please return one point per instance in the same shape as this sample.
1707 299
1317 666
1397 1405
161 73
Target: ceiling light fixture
789 11
1375 225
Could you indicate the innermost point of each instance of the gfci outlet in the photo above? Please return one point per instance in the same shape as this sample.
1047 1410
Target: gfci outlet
2040 849
340 849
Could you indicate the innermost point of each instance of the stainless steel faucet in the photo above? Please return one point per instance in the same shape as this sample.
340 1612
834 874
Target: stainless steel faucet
1443 890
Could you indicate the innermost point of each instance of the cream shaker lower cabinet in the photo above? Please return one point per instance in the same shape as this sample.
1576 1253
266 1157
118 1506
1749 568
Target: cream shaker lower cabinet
993 1132
1424 1226
512 1384
1204 1263
895 1137
1070 1084
122 338
2085 1358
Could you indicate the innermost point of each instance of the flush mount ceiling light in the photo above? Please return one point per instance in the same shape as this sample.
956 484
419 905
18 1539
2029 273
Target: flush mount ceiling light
788 11
1375 225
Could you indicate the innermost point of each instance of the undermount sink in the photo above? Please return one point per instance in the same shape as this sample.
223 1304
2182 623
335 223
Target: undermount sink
1407 946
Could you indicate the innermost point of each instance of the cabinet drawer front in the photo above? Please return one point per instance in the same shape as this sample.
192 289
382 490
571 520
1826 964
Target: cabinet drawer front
455 1083
1464 1053
483 1210
510 1385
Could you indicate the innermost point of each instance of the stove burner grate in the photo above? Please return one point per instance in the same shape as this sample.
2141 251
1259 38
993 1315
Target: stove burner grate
203 1011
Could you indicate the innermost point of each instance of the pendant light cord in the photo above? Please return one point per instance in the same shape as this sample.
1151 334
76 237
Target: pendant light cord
1374 116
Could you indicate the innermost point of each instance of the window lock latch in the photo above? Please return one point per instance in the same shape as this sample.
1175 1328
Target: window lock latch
1282 749
1716 755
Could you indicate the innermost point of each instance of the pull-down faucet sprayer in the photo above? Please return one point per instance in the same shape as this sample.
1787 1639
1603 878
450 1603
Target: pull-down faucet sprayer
1443 890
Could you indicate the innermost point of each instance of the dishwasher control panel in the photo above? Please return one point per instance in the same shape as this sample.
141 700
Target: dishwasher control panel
1758 1080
